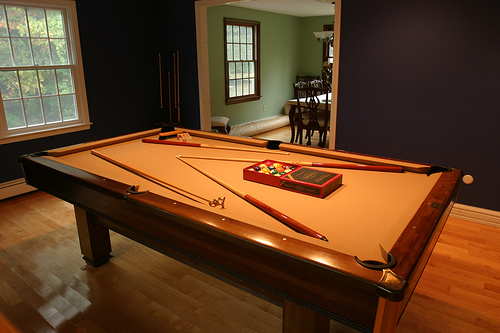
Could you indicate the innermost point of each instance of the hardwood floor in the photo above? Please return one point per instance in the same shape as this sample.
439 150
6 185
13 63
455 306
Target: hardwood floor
45 286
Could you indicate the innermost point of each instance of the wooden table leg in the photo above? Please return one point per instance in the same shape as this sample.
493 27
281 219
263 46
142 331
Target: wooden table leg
94 238
387 316
297 319
291 115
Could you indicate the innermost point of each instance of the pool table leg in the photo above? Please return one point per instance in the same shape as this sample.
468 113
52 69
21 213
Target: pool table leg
387 316
298 319
94 238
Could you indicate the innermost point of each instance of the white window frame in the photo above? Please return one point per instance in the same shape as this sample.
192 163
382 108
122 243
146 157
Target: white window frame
76 64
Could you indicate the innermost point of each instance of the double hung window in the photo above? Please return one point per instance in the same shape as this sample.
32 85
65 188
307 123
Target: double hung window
41 74
242 60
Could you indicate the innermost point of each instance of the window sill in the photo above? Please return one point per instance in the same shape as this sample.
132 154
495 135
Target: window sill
242 99
44 134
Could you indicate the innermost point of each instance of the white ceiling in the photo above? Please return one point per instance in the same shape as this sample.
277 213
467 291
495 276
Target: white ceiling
301 8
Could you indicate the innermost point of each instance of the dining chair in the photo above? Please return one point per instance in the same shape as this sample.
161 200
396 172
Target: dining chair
312 112
293 109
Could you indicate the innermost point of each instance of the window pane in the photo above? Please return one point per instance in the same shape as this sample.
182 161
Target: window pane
52 110
14 114
229 48
245 87
236 50
243 34
41 52
229 34
29 84
3 23
68 106
232 88
34 113
232 70
252 86
59 52
9 85
36 19
245 70
65 81
5 53
22 52
239 69
55 23
251 69
250 52
236 34
17 21
239 87
243 51
48 82
249 35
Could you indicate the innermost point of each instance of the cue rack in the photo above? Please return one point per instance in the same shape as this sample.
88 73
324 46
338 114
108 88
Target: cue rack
174 97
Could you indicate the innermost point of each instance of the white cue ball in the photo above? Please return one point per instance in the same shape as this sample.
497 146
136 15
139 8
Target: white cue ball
468 179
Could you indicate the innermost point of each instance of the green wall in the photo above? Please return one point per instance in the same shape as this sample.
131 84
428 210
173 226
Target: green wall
288 48
311 50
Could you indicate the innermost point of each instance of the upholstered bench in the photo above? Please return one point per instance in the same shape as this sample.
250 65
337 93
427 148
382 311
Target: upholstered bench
221 124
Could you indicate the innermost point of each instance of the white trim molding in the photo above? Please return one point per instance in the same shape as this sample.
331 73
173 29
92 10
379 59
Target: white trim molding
476 214
13 188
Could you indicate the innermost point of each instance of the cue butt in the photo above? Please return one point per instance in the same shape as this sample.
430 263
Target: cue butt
285 219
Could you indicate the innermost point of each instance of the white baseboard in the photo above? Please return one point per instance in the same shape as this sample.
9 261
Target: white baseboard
14 187
476 214
459 211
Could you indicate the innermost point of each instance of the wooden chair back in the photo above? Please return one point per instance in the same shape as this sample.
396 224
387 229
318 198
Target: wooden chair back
305 78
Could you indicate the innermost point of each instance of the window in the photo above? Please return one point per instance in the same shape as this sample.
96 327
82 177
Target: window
242 60
41 74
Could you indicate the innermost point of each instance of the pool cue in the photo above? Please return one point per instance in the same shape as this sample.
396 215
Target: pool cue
203 145
169 98
175 84
178 91
212 203
311 164
285 219
161 83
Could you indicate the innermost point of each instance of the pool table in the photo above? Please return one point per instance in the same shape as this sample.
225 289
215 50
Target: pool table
381 226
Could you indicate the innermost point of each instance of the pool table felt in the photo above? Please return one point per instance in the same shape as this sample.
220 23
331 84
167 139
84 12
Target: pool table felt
369 209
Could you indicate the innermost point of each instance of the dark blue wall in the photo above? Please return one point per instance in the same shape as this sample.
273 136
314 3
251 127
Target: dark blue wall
419 80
